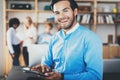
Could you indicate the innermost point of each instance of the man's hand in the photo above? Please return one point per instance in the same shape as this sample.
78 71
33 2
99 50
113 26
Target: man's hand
41 68
48 73
53 76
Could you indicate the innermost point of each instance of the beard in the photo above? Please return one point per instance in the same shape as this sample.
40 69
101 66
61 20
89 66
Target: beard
69 24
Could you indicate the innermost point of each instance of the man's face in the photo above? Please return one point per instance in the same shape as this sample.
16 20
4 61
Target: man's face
64 14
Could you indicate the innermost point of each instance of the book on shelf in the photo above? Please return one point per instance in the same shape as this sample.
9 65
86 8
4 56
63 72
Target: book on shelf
108 19
84 19
111 19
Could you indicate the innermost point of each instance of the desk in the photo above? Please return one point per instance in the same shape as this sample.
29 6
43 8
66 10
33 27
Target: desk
17 73
111 68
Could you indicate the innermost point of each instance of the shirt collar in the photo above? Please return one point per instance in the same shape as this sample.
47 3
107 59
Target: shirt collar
73 29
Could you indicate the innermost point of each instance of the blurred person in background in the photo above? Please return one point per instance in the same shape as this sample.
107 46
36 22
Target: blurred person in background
44 38
13 41
30 37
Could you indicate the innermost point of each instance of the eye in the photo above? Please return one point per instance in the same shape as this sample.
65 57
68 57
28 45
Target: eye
56 13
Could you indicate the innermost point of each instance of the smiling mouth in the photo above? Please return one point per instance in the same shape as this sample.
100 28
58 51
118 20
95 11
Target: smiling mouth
64 21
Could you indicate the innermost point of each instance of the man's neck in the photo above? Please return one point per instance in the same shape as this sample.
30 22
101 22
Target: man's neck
66 30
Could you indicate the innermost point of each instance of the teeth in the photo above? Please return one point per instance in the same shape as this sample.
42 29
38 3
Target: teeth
65 20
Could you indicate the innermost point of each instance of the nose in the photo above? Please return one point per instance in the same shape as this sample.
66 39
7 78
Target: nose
61 15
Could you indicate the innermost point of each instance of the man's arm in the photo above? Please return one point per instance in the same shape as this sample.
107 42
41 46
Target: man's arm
48 58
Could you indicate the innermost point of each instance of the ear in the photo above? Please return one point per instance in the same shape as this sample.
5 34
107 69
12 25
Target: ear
75 12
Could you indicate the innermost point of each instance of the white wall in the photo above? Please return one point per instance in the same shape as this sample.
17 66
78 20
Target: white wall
118 30
1 37
104 30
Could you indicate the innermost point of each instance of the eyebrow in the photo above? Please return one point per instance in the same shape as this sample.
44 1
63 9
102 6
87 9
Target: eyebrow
65 8
62 9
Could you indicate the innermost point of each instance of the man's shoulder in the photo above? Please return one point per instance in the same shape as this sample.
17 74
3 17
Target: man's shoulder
88 33
57 35
86 30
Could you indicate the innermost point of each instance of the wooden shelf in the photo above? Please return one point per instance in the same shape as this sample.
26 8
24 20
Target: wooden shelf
107 13
109 23
20 0
85 12
87 1
16 10
45 0
86 23
105 24
45 22
107 1
117 21
45 11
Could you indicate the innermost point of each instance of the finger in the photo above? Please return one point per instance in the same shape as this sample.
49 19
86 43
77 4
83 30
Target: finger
43 68
49 73
41 77
50 77
35 67
47 69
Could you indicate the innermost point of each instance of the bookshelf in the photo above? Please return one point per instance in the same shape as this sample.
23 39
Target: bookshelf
112 50
106 15
39 15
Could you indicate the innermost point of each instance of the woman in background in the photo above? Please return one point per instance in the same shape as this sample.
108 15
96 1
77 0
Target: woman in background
30 38
13 42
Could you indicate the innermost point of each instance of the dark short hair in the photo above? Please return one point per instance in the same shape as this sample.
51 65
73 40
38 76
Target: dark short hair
73 4
13 21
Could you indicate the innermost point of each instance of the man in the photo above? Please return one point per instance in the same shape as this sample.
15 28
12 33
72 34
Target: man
75 53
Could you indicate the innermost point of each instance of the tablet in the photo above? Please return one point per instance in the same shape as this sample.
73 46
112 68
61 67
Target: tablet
28 70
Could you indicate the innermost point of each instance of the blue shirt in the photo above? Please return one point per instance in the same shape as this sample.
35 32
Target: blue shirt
44 38
78 54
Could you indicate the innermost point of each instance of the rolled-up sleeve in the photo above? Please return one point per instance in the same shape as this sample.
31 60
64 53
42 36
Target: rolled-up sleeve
48 58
